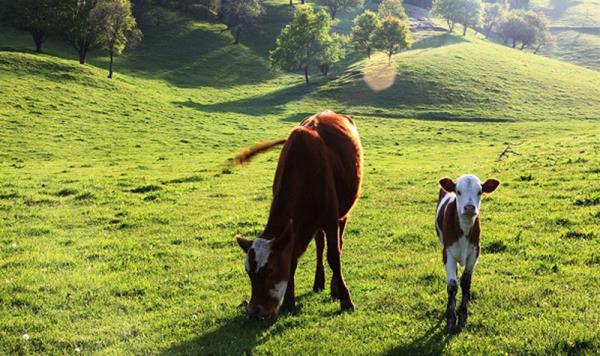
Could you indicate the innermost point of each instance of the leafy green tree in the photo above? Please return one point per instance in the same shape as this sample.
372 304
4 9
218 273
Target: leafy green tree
77 28
523 26
449 10
35 16
331 52
392 36
363 31
301 42
492 16
391 8
465 12
116 27
335 6
241 16
469 14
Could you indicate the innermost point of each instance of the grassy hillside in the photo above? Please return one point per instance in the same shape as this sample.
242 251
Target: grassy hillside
576 27
118 215
447 76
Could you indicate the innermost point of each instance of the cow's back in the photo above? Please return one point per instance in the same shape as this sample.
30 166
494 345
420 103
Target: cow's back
341 138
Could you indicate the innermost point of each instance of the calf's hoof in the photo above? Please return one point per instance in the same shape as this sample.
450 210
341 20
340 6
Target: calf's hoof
451 324
450 327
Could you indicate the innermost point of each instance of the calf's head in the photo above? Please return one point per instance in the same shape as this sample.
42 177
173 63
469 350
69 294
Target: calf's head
268 264
468 190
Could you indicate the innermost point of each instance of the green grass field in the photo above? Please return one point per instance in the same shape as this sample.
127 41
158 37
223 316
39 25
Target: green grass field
118 214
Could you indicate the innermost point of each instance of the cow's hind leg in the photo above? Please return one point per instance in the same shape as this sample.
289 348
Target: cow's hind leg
289 300
319 284
334 259
335 294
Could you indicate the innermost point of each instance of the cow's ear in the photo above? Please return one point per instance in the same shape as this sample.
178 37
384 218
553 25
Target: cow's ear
244 243
448 185
285 239
490 185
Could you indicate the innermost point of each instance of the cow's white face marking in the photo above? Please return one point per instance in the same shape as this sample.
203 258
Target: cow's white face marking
262 251
279 290
468 192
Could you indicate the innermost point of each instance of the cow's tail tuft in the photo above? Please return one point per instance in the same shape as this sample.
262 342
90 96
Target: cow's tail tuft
248 153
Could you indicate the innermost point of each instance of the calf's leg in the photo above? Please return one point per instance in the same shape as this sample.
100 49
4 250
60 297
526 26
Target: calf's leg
335 262
452 288
465 285
319 284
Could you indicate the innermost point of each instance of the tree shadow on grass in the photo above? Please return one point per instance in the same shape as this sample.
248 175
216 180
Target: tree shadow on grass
270 103
431 342
436 116
436 41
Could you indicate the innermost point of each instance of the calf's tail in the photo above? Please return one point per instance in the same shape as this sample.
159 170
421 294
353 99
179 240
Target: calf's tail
248 153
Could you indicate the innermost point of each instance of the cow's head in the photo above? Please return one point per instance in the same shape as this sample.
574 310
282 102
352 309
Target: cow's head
268 266
469 189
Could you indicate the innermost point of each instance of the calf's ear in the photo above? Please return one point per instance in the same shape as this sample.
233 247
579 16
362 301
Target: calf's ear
490 185
448 185
244 243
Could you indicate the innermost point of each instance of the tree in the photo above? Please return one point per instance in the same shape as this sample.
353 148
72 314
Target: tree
391 8
330 52
392 36
469 14
523 26
77 28
363 31
241 16
465 12
335 6
301 42
492 16
35 16
116 27
449 10
546 39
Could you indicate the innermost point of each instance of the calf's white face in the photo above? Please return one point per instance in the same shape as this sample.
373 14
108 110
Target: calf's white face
468 190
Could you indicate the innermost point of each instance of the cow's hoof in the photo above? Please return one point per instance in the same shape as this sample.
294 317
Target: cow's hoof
319 286
347 307
450 328
289 309
451 324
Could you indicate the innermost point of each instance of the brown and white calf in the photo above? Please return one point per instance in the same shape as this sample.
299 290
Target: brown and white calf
457 226
316 184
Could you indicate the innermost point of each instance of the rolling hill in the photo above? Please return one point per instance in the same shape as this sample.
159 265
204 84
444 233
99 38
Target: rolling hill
576 28
118 211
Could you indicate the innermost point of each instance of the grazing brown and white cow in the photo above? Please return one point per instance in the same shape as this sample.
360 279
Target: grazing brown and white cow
457 226
316 184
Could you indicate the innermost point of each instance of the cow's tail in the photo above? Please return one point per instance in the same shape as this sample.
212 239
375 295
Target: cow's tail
248 153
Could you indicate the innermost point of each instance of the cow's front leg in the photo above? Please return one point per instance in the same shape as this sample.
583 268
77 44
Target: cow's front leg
289 300
319 284
335 262
452 287
465 286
